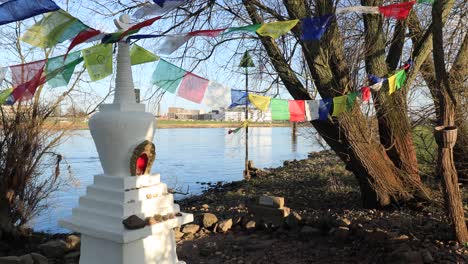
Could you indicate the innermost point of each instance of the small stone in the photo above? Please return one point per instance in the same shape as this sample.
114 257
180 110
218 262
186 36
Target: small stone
271 201
250 224
134 222
400 238
171 216
209 220
205 206
10 260
158 218
39 259
53 249
73 242
344 222
165 217
151 220
178 235
149 196
190 228
224 225
292 220
26 259
426 256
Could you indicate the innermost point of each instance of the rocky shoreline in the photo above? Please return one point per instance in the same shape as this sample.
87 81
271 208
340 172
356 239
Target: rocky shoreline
320 220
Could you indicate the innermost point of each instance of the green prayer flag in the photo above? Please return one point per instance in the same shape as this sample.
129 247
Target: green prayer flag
339 105
98 61
59 71
400 79
279 109
350 101
55 27
4 95
139 55
250 28
167 76
276 29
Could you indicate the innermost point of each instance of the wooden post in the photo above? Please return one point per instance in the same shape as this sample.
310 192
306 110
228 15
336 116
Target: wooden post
246 172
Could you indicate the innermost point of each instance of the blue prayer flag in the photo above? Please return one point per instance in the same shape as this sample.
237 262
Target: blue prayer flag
375 79
324 108
314 27
15 10
238 97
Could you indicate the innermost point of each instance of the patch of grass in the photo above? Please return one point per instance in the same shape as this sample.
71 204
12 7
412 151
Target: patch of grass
426 148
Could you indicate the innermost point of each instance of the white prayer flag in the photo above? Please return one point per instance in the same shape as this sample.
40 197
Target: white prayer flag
217 95
156 10
312 109
358 9
172 43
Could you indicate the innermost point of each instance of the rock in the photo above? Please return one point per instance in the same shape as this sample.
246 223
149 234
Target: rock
10 260
205 206
209 220
178 234
134 222
400 239
271 201
269 215
342 233
250 225
190 228
26 259
426 256
73 242
224 225
344 222
54 248
293 220
39 259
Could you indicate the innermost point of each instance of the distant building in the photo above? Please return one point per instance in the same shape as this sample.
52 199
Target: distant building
237 114
181 113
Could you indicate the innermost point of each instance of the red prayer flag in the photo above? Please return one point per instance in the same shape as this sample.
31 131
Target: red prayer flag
297 110
193 87
82 37
398 11
135 28
23 73
207 33
365 94
26 91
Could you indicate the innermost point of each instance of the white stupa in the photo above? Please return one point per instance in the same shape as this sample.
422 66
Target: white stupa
123 134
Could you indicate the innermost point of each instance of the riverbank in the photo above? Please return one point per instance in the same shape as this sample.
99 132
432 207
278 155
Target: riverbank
326 224
162 124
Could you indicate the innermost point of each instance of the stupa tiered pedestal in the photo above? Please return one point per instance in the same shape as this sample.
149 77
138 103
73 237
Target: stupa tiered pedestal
110 200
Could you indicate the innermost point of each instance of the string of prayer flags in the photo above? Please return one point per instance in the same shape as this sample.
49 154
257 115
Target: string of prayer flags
193 87
365 94
98 61
351 98
55 27
398 11
4 95
312 109
297 110
144 36
314 27
250 28
339 104
26 90
157 8
59 70
172 43
217 95
239 97
324 108
279 109
276 29
259 101
167 76
15 10
207 33
400 79
115 37
139 55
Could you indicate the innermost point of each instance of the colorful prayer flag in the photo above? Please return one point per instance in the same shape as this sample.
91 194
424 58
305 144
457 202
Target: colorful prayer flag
115 37
339 104
314 27
24 73
297 110
312 110
207 33
398 11
193 87
277 29
167 76
324 108
400 79
26 91
54 27
59 70
239 97
217 95
98 61
279 109
250 28
16 10
172 43
259 101
365 94
4 95
391 84
156 9
139 55
350 100
358 9
376 86
85 35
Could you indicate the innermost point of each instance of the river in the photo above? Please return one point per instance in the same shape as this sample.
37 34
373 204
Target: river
185 157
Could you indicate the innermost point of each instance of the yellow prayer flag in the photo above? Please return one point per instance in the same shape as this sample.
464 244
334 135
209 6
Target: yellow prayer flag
261 102
277 29
392 84
339 105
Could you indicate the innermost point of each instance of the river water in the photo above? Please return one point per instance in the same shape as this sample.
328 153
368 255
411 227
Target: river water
184 158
